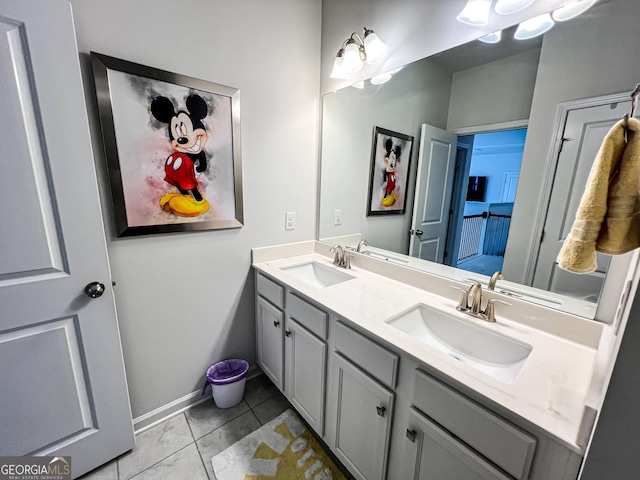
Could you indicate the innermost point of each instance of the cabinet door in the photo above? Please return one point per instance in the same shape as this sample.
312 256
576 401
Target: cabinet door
305 373
364 410
269 323
439 456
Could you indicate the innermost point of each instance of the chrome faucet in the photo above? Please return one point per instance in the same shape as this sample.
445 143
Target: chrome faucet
494 279
362 243
341 258
471 303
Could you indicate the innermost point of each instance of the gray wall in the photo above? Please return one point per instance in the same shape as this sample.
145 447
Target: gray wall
185 300
413 96
613 453
495 92
593 58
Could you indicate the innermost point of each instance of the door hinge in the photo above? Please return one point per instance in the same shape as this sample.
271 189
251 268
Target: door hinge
542 236
446 254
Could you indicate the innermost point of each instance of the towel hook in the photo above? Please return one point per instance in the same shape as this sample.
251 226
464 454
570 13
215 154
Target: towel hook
634 104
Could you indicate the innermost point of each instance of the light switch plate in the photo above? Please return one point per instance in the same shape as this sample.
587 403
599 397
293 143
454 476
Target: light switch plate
337 217
290 221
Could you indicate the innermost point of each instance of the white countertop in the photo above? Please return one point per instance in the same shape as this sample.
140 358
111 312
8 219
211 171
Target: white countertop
549 391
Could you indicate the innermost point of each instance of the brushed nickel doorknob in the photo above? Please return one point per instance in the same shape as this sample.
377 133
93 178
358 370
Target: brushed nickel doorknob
94 289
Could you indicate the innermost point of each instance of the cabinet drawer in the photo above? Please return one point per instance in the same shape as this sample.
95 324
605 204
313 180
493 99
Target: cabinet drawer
270 290
441 456
368 355
307 315
498 440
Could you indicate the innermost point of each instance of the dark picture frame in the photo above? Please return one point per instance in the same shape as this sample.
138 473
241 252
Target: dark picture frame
172 146
389 173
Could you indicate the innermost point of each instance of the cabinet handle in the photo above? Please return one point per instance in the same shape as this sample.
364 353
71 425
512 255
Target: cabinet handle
287 333
381 411
411 435
276 323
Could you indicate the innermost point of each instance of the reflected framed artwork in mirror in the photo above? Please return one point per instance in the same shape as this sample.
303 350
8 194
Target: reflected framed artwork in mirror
389 176
173 148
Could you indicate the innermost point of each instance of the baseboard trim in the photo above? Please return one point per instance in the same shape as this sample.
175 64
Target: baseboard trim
160 414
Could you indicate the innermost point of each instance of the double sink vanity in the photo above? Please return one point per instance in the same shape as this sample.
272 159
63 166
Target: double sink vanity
401 384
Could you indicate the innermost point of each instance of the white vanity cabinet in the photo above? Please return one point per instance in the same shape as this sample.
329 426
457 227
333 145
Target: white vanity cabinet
385 414
269 328
453 434
305 352
291 348
362 402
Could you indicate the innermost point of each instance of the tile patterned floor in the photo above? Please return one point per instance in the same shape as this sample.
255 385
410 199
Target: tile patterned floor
182 446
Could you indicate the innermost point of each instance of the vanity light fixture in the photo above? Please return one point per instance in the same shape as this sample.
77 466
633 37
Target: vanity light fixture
572 10
475 12
507 7
494 37
355 51
534 27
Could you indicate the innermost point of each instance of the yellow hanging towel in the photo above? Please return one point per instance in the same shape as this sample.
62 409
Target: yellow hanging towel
608 218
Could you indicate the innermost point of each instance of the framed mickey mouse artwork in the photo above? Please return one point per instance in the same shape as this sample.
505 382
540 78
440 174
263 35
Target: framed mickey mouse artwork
389 177
172 146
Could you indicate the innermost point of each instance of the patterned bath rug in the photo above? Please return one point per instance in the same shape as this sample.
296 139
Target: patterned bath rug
283 449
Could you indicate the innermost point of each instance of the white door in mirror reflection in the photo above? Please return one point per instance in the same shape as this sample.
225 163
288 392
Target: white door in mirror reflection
584 132
432 199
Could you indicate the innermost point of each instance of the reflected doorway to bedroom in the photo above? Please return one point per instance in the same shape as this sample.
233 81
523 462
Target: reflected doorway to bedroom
485 185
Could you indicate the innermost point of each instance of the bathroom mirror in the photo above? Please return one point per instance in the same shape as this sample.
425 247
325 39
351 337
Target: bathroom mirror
522 120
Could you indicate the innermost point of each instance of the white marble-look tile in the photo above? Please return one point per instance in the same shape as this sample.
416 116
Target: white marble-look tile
184 464
225 436
108 471
206 417
154 445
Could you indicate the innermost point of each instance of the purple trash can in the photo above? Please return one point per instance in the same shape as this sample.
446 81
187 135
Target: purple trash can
227 379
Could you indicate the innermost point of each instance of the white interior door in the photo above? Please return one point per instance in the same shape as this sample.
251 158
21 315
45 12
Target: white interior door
584 132
63 389
432 201
510 186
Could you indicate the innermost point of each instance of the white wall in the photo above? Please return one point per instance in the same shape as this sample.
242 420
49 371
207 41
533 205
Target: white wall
349 118
590 59
186 300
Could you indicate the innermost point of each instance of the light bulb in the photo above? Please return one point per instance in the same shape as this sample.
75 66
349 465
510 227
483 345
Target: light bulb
375 48
476 12
507 7
352 62
534 27
380 79
338 71
494 37
359 85
572 10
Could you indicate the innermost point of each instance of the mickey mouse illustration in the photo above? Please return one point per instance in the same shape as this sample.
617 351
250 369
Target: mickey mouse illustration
188 137
391 158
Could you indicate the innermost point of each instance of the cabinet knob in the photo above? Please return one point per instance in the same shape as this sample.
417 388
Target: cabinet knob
381 411
411 435
287 333
276 323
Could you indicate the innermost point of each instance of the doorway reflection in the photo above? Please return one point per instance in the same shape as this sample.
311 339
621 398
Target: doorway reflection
488 174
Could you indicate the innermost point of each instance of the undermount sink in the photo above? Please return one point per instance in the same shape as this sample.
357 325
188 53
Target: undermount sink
490 352
317 274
